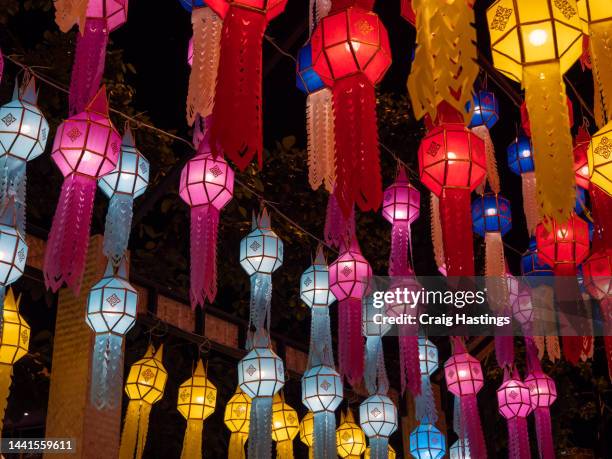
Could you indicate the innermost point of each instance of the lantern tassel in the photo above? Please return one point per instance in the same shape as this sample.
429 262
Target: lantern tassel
69 236
601 58
338 229
504 350
350 348
552 141
398 261
495 271
261 298
518 445
523 429
409 364
13 184
135 428
472 426
237 129
6 377
425 403
436 233
192 442
236 445
88 66
284 449
530 202
324 446
456 219
204 233
206 50
544 433
107 371
321 146
321 350
379 447
492 174
358 178
542 297
118 226
260 428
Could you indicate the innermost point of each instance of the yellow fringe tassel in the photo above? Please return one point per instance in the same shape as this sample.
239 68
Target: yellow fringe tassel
135 428
540 345
321 145
530 203
600 42
552 140
236 445
492 174
495 270
6 377
284 449
192 443
69 13
436 232
206 51
444 67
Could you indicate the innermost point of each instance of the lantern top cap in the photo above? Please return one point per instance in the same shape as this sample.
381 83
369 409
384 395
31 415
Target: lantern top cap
10 303
320 259
199 370
128 137
99 103
27 92
264 220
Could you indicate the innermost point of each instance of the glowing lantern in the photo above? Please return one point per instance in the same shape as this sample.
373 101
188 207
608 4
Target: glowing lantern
520 161
128 181
350 439
531 264
515 405
206 185
101 18
237 419
14 341
427 442
261 375
348 279
23 136
598 156
378 419
237 130
285 427
351 53
581 163
464 379
319 123
111 313
144 386
391 454
460 450
535 45
13 248
307 433
451 165
484 116
197 398
86 148
564 246
205 51
520 302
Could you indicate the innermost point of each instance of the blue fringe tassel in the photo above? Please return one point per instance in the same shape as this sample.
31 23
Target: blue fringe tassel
106 371
260 428
325 435
118 226
379 447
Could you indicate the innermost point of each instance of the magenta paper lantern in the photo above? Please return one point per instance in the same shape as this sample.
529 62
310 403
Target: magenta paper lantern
514 399
542 389
519 298
401 201
207 185
86 148
463 374
349 274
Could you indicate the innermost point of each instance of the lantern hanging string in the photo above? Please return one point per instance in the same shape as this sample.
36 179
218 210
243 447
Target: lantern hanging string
140 124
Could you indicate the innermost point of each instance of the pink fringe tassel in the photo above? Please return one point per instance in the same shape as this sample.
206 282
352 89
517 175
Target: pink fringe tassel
504 350
204 231
472 427
338 229
409 364
350 348
88 66
544 433
69 235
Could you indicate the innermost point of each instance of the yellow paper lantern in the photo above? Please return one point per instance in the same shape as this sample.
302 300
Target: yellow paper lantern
144 386
285 427
14 342
599 156
197 398
350 439
596 18
535 43
391 453
237 419
307 432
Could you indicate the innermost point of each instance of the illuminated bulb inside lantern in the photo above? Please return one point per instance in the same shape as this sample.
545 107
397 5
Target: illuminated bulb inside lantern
400 214
1 255
525 153
451 155
25 129
278 424
584 170
200 399
538 37
86 156
491 211
462 373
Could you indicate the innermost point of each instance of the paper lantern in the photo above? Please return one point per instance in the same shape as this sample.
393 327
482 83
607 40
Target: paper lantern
451 165
144 386
125 183
261 375
13 247
486 109
597 272
237 419
314 283
520 302
285 427
351 53
521 162
491 214
515 405
349 275
101 18
14 341
427 442
535 45
350 439
460 450
261 250
322 389
307 432
378 419
206 185
391 454
238 126
531 264
598 156
86 148
319 122
564 246
464 379
197 398
206 50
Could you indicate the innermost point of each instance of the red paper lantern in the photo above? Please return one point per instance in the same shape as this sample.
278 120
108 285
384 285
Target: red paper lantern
597 274
351 53
564 246
525 123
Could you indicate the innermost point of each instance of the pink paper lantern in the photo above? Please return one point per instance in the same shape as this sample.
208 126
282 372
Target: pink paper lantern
206 180
401 201
349 274
113 11
542 389
463 374
513 399
519 298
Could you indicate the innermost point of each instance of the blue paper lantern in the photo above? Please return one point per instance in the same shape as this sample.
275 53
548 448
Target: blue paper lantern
307 80
531 264
378 416
13 249
428 357
491 213
580 200
426 442
322 389
261 251
520 156
486 109
314 284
